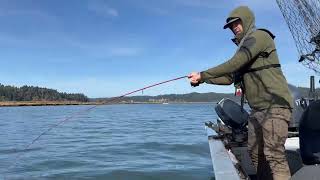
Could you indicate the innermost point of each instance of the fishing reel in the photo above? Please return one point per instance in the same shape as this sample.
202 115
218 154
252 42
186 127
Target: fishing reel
195 84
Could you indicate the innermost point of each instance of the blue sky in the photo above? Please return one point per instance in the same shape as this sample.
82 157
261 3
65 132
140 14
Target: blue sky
104 48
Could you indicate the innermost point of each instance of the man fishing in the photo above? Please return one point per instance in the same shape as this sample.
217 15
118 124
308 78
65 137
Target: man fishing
256 70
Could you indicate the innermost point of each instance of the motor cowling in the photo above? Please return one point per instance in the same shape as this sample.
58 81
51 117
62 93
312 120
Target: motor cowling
232 114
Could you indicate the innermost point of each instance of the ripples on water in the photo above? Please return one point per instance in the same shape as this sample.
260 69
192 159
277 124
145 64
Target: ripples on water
126 142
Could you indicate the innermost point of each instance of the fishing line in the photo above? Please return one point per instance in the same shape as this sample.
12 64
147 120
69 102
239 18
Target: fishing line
109 101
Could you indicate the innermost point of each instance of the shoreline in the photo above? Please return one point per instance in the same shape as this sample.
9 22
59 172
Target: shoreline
43 103
68 103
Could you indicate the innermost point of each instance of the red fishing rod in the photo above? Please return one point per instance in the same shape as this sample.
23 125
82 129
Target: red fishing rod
109 101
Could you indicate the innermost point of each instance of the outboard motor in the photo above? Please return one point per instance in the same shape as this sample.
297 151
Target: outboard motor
232 114
309 133
234 117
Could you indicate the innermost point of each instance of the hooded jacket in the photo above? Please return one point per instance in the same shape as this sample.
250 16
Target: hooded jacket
265 88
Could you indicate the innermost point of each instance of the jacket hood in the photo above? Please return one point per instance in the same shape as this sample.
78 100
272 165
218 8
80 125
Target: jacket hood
246 16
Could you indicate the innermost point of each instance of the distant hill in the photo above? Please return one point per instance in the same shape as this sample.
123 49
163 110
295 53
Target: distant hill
305 91
31 93
191 97
178 98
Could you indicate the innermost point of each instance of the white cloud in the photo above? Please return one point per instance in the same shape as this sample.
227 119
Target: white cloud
112 12
102 9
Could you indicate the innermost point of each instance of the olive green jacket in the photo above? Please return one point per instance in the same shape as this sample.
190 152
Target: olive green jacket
266 88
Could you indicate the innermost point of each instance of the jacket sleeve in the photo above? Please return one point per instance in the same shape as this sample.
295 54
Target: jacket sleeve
250 48
223 80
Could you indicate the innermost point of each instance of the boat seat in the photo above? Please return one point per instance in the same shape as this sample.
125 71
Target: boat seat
309 133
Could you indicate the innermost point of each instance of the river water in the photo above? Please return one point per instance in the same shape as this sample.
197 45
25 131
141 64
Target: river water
121 142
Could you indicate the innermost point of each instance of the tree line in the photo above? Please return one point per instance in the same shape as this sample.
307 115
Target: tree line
190 97
31 93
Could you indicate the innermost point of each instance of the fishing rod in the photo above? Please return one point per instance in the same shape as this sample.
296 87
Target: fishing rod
109 101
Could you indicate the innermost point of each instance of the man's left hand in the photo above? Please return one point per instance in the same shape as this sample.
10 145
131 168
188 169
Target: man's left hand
194 77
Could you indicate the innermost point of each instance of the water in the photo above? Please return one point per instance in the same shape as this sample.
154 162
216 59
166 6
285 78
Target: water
121 142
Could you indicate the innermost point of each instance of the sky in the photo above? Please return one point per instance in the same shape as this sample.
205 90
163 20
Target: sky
105 48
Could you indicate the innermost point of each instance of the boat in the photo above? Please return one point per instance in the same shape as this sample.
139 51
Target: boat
227 137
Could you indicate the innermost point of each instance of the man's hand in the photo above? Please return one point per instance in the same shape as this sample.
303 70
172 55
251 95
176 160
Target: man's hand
194 78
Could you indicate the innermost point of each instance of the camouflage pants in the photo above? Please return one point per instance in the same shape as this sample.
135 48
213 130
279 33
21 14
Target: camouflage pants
267 133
